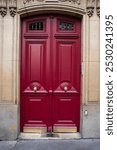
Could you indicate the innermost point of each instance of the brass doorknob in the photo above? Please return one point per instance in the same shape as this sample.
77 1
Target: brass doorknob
65 88
35 88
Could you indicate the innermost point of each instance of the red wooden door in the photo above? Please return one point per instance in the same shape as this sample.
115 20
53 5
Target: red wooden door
50 74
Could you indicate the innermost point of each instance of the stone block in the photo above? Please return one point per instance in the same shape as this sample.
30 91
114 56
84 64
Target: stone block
91 121
9 122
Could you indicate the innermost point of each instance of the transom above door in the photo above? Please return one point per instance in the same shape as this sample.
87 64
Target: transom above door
50 74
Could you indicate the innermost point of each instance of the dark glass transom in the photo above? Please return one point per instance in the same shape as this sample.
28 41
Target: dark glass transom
66 26
36 26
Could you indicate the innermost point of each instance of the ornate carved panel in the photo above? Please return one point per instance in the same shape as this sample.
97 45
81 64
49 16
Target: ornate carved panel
8 4
72 1
28 1
12 11
12 7
3 7
90 7
12 2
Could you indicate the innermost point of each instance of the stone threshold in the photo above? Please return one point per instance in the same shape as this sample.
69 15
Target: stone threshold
26 136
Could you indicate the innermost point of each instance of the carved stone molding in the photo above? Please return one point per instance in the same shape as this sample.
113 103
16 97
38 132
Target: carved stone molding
73 1
12 7
90 7
12 11
98 8
3 11
28 1
3 7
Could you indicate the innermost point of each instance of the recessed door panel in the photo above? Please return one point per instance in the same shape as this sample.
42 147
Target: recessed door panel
50 74
35 74
36 108
65 61
36 59
65 109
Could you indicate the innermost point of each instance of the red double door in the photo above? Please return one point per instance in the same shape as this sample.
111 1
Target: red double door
50 74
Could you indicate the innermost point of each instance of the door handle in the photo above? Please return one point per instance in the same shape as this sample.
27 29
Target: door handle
35 88
65 88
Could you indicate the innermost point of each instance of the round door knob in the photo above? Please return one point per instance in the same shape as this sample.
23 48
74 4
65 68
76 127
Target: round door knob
35 88
65 88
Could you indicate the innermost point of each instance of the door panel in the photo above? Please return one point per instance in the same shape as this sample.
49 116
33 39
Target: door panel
50 74
35 64
35 110
35 101
65 109
66 74
65 67
65 60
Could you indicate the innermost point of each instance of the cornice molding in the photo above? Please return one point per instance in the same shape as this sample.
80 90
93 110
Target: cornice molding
11 5
72 1
29 1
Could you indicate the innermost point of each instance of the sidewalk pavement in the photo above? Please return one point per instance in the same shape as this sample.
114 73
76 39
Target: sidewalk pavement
53 144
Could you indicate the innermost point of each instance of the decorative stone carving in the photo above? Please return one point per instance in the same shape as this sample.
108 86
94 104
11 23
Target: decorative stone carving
12 7
3 7
98 8
12 11
3 11
74 1
90 7
28 1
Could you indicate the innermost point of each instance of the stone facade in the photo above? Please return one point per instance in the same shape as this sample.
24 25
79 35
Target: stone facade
11 12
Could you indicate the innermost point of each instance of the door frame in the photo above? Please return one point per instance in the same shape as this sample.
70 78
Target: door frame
77 30
76 14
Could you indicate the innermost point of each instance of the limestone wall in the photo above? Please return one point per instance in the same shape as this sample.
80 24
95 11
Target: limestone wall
91 57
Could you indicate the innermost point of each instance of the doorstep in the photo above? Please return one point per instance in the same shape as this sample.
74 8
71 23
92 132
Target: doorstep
49 136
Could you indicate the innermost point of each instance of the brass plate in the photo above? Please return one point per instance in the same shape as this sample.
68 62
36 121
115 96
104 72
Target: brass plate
58 129
35 130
